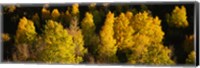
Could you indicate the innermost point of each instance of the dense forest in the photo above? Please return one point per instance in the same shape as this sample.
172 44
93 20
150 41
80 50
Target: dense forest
99 33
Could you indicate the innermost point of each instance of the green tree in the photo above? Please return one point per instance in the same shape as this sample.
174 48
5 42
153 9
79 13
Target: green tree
107 49
178 18
59 46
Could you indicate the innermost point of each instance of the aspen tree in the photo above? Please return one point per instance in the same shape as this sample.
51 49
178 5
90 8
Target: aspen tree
178 17
191 58
25 36
147 47
107 49
59 46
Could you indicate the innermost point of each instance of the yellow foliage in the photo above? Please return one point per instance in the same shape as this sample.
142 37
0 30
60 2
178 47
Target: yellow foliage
46 13
55 14
11 8
75 9
147 47
26 31
107 49
88 27
5 37
76 33
178 17
123 32
59 46
143 23
191 58
129 15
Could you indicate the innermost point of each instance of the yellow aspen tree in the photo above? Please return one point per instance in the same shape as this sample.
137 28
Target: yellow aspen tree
107 49
75 9
178 17
46 14
129 15
191 58
147 47
123 35
59 46
55 14
78 41
91 40
88 28
26 31
25 36
123 32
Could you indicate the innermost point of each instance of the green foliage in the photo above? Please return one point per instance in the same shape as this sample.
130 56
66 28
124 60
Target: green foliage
178 18
107 49
59 46
191 58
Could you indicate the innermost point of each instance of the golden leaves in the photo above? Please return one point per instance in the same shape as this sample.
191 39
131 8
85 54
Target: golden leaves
75 9
87 23
191 58
107 49
178 17
55 14
45 13
26 31
57 40
5 37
